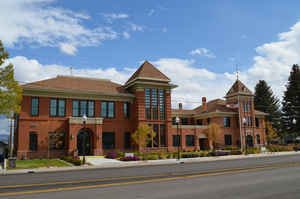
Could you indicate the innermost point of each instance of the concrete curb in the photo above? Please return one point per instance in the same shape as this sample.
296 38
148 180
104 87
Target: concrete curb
147 163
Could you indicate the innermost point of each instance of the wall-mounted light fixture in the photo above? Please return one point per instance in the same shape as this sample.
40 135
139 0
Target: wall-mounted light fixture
72 137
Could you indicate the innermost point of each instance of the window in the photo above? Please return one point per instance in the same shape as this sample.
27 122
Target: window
184 121
161 94
258 139
82 108
91 109
200 122
56 140
190 140
57 107
155 138
53 106
174 120
228 139
162 135
108 109
257 122
176 140
111 110
208 121
34 106
127 140
227 122
147 103
154 104
126 110
108 140
33 141
104 109
75 108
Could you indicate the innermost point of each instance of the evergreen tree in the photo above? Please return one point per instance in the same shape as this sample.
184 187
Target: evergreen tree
267 102
10 90
291 102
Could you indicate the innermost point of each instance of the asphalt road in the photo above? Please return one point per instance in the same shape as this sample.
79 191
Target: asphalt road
272 177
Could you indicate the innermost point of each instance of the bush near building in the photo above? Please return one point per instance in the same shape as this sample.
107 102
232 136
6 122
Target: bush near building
70 159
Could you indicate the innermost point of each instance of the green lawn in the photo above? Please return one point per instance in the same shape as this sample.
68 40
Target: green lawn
32 164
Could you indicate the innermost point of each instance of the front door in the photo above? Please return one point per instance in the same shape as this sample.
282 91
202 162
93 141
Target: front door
202 144
83 143
249 139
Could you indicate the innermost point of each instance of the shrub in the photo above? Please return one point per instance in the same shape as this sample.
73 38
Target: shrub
235 152
111 155
151 157
278 148
70 159
253 150
220 153
233 148
120 154
130 158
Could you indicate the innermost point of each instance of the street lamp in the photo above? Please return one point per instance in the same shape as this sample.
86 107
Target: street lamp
84 119
294 121
177 123
245 135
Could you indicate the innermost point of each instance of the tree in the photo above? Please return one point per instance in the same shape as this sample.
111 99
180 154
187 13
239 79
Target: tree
142 136
213 131
272 135
10 90
291 102
267 102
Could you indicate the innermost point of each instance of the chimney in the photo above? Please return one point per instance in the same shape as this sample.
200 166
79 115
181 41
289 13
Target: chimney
180 106
204 105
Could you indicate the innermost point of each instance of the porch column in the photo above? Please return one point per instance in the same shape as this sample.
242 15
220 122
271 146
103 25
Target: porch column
97 137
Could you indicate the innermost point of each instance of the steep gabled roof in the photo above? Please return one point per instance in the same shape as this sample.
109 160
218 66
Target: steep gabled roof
217 105
73 83
147 70
238 88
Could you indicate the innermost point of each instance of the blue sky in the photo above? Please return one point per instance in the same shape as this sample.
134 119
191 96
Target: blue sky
196 43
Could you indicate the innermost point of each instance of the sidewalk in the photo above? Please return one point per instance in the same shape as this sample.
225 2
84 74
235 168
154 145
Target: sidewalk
120 164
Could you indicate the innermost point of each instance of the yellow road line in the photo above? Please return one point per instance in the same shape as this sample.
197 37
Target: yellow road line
135 177
145 181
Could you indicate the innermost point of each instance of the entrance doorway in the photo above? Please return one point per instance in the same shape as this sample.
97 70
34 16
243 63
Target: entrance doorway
84 142
249 140
203 143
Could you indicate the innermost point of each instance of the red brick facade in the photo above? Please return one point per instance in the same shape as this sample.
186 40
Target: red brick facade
133 92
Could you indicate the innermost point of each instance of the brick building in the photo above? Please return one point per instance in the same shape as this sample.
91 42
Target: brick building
51 122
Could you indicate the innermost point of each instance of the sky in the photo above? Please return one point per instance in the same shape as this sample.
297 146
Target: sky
198 44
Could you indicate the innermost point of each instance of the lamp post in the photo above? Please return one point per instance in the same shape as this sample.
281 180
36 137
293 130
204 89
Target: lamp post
84 118
246 142
177 123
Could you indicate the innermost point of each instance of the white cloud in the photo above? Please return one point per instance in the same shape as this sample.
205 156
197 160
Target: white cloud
203 52
165 29
126 35
69 49
193 81
113 16
151 12
4 129
36 22
275 59
135 27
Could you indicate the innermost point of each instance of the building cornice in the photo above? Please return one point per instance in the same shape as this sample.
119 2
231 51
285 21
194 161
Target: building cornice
59 93
90 120
149 84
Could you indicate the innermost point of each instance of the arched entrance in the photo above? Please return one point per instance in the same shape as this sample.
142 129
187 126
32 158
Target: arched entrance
84 142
